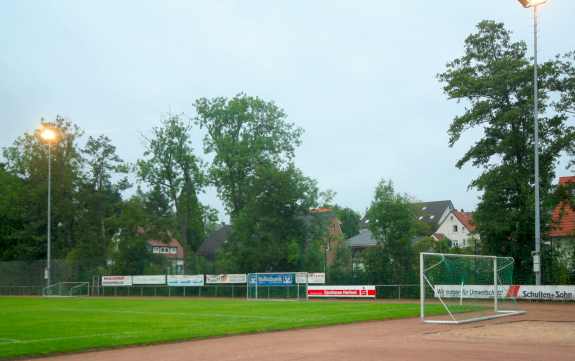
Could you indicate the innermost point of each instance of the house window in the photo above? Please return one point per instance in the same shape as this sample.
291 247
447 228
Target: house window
173 250
455 228
155 250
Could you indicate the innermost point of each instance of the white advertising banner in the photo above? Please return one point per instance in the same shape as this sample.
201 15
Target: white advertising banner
316 278
227 278
553 293
341 291
185 280
108 281
149 280
522 292
300 277
469 291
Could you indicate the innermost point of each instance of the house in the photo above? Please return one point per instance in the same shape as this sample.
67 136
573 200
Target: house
172 251
328 221
458 227
562 232
364 239
433 213
214 241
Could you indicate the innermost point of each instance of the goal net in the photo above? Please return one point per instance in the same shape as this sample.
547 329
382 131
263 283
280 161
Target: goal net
281 285
459 288
67 289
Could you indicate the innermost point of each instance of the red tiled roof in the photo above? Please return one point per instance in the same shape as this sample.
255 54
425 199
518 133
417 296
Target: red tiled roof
466 218
563 216
320 210
173 243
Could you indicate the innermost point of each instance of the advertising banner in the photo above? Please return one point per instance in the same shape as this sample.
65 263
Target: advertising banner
271 279
108 281
469 291
227 278
301 277
149 280
341 291
316 278
185 280
551 293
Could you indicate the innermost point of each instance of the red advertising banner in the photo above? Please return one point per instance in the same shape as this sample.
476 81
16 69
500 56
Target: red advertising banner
341 291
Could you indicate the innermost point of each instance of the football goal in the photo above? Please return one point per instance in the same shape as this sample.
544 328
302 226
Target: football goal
470 287
67 289
281 285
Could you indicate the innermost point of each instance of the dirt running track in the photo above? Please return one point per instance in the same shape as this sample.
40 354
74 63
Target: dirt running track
545 333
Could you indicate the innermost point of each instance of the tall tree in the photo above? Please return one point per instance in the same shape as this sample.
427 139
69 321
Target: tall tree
349 219
171 167
392 220
494 78
270 233
27 159
99 202
242 133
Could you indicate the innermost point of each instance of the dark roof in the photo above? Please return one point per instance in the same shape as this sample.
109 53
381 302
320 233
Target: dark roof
214 241
431 212
362 240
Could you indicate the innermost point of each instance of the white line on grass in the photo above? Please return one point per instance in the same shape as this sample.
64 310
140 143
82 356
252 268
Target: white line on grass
116 334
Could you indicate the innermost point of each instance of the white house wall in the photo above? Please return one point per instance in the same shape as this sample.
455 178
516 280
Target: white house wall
461 237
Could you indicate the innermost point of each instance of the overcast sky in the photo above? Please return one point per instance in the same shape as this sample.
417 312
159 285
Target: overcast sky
358 76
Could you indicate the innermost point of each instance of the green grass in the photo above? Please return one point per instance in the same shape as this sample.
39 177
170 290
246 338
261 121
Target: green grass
40 326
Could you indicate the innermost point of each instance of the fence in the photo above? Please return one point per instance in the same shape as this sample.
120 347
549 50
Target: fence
231 291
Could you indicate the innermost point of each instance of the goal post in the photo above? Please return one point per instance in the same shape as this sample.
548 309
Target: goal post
461 288
67 289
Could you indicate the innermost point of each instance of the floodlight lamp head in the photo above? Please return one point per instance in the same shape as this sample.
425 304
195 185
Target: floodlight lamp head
48 133
532 3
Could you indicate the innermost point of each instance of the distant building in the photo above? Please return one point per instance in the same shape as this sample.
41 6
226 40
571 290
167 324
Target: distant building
431 213
327 219
458 227
214 241
172 251
562 232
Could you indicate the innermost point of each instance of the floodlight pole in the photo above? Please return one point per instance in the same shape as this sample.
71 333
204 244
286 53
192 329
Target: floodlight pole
537 268
49 228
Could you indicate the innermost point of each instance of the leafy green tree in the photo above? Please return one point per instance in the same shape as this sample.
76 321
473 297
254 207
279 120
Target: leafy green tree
243 133
27 159
171 167
349 219
392 221
98 202
494 79
339 272
271 224
13 223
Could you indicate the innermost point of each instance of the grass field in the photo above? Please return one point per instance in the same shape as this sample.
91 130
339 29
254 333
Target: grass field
39 326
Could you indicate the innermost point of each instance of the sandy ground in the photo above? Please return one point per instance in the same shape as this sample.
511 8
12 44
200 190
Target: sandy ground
546 332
